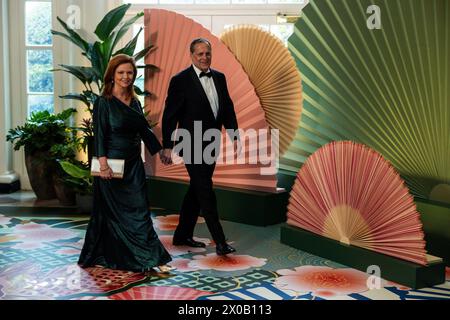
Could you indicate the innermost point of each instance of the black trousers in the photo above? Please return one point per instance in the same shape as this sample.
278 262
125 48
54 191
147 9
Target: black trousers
200 198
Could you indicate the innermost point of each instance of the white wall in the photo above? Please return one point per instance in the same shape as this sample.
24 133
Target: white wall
7 175
215 17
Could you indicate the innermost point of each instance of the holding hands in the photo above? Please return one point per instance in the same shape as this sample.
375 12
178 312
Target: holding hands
166 156
237 147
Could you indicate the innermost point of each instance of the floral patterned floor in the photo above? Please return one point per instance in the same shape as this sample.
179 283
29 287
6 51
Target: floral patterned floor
38 256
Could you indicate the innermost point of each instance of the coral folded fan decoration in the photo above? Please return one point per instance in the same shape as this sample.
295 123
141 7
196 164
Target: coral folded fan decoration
348 192
272 70
172 33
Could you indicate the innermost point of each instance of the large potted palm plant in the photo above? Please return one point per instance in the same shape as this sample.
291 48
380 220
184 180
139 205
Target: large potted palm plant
109 32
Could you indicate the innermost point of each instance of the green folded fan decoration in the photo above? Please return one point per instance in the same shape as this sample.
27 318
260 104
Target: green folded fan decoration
386 87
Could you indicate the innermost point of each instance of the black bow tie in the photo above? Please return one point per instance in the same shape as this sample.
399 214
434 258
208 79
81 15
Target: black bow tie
203 74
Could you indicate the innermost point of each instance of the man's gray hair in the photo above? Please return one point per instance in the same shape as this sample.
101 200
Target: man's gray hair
197 41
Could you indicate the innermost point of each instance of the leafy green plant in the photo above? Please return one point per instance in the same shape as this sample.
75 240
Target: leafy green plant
80 178
41 131
109 32
45 138
88 133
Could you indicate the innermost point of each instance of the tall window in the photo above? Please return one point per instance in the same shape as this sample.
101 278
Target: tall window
139 46
282 31
218 15
211 1
39 57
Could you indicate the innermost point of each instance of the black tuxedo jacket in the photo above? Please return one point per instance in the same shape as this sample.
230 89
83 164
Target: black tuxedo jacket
187 102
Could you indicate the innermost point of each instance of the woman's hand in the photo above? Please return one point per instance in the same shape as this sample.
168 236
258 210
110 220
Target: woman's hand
105 170
106 173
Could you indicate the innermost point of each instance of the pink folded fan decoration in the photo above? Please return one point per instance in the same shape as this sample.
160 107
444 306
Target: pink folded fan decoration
171 33
350 193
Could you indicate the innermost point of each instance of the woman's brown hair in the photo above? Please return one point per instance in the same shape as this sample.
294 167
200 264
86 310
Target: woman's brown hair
108 79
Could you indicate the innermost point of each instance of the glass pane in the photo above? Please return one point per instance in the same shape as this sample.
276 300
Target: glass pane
142 1
265 27
139 46
140 42
39 62
212 1
175 1
140 79
40 103
286 1
38 22
248 1
282 31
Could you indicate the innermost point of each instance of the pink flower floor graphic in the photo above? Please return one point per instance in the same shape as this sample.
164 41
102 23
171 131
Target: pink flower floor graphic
170 222
26 280
229 262
71 248
4 220
34 235
68 251
159 293
166 240
385 283
182 265
322 282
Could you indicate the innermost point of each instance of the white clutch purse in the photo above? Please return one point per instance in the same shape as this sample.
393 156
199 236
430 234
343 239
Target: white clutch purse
117 166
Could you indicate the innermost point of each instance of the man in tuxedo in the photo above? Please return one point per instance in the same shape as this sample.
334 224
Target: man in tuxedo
198 94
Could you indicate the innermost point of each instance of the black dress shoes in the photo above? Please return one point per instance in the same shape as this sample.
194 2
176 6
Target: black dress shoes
224 248
188 242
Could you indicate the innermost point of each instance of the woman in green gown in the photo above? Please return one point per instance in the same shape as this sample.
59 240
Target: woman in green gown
120 234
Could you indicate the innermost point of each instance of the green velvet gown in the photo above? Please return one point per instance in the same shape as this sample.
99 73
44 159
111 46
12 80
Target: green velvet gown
120 234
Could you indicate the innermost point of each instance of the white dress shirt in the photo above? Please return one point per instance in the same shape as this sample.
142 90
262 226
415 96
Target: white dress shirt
210 90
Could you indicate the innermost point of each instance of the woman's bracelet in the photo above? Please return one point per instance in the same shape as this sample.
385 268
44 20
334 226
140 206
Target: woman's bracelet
106 169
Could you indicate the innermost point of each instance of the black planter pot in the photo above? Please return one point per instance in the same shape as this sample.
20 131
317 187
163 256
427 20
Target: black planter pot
65 195
40 172
85 203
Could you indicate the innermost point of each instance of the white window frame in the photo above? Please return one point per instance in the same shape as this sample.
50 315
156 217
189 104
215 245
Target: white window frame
18 77
23 47
215 16
222 14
